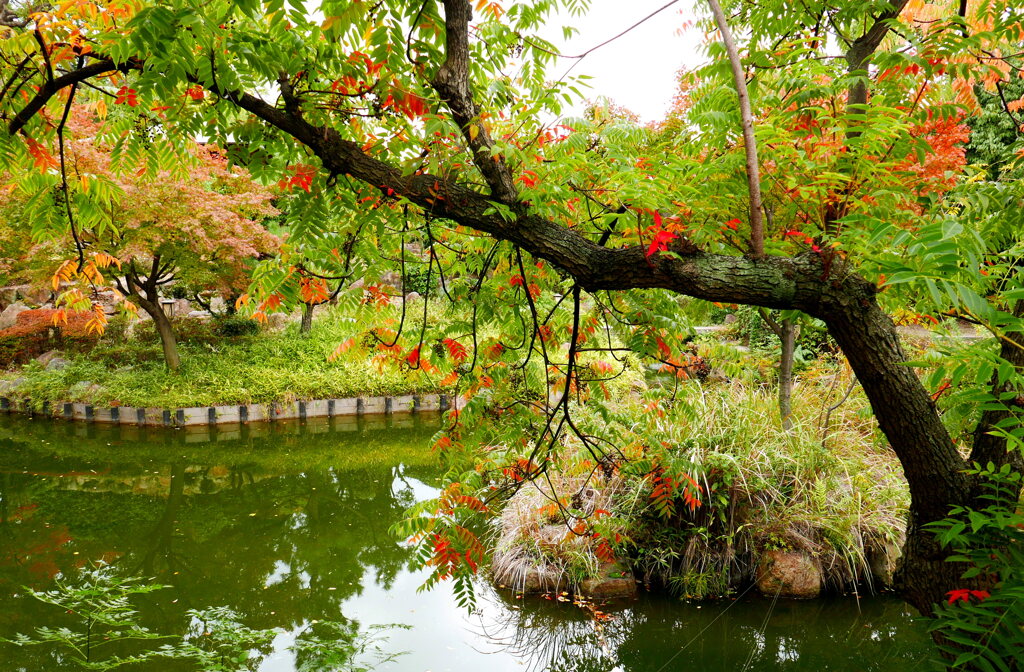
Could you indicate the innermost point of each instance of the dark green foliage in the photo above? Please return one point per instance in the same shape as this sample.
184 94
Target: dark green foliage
994 130
234 326
982 629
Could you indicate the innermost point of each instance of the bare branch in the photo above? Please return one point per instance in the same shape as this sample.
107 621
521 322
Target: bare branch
749 142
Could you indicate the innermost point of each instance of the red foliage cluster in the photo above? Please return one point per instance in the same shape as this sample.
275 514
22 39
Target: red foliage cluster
31 334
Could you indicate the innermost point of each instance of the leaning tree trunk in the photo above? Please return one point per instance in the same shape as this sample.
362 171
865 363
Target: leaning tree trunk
931 462
165 330
307 318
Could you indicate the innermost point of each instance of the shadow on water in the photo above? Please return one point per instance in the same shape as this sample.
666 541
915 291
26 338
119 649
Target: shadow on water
287 523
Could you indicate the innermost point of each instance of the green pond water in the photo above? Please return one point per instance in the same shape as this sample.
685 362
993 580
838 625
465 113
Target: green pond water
287 524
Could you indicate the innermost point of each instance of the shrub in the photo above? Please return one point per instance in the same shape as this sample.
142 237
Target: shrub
234 326
34 333
981 629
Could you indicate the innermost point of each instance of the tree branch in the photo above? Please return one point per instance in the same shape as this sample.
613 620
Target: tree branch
865 45
52 86
749 141
452 83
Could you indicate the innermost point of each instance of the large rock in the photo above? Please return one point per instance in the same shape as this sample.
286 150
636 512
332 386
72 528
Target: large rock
788 574
7 386
52 360
10 314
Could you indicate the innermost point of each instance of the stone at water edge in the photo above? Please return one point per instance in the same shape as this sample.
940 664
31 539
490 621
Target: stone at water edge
788 574
615 582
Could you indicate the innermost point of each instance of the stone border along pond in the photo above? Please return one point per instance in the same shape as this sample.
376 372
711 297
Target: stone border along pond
218 415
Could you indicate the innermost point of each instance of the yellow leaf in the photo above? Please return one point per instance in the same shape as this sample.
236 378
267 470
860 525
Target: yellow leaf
329 22
101 109
474 131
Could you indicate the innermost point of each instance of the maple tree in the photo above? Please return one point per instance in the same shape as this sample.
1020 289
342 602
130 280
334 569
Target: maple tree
196 226
403 114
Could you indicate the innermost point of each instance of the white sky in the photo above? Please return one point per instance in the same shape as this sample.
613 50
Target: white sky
637 70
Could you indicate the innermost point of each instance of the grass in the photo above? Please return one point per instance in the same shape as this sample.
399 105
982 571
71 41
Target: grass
837 496
269 366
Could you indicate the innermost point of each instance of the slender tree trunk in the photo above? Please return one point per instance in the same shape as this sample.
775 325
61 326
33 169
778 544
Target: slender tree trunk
307 318
165 330
788 339
787 331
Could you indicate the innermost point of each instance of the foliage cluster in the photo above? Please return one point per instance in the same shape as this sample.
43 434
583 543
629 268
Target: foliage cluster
982 628
100 605
36 331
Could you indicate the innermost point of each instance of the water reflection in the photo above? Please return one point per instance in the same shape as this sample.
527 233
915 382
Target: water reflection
287 524
280 526
750 633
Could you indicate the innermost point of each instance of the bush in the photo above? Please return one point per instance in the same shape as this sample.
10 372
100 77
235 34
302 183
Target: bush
982 628
234 326
34 333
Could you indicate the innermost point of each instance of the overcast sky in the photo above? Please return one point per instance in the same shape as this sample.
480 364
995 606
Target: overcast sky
637 70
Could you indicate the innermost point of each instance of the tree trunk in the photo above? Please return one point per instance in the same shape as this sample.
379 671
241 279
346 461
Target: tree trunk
165 330
931 462
789 332
307 318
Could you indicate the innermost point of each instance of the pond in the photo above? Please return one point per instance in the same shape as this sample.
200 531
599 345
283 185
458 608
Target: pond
287 524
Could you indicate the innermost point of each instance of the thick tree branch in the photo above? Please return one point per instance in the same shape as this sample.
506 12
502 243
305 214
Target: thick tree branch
862 48
452 83
749 141
51 87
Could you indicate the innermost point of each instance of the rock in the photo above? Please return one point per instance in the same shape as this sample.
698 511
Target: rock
614 583
541 580
277 320
730 319
51 356
85 390
57 364
218 305
882 563
11 385
412 296
198 315
788 574
181 307
718 376
29 294
10 314
357 284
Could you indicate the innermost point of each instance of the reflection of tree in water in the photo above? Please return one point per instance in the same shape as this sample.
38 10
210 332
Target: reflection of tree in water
282 534
559 637
660 634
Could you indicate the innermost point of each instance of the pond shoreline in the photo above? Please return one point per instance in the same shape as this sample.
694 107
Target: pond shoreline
228 414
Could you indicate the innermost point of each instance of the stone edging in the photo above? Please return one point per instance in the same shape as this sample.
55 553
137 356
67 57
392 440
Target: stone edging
217 415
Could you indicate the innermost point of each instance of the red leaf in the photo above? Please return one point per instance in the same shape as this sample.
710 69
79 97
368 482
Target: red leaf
959 594
127 96
660 242
456 350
